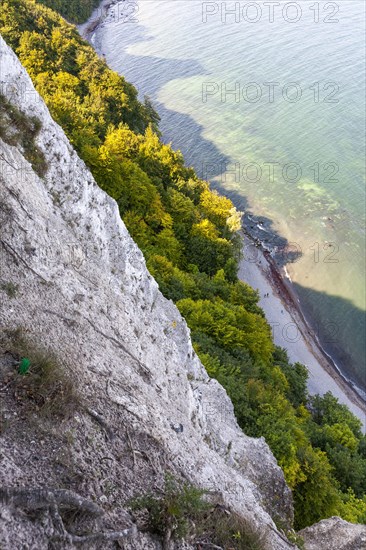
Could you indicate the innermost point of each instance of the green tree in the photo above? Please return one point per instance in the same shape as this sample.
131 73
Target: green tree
317 496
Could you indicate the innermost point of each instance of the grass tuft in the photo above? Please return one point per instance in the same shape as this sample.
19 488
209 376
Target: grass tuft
46 385
181 510
227 529
10 289
16 128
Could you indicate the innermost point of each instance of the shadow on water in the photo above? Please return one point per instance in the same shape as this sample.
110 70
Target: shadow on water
344 323
177 128
149 74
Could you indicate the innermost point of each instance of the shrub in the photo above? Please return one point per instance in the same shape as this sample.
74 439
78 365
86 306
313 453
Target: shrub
170 513
10 289
46 385
182 511
76 11
228 530
17 128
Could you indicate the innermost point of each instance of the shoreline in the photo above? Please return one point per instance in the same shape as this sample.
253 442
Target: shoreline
282 303
291 330
87 29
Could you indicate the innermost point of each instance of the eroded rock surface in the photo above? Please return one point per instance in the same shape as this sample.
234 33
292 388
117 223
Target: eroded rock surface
334 534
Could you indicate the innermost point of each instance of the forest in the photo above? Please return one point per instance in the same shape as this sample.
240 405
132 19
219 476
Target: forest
75 11
189 236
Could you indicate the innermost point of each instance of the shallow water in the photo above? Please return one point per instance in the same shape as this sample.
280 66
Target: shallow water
287 144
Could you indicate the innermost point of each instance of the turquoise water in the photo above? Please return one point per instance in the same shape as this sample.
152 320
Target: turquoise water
290 154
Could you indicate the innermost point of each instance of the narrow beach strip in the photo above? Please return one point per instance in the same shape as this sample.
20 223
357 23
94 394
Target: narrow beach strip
290 330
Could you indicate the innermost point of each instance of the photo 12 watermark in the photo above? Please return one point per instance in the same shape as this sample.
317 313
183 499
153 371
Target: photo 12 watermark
269 92
270 12
327 331
325 252
19 92
324 172
120 12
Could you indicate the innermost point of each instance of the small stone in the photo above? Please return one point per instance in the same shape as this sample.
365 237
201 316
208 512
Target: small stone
178 428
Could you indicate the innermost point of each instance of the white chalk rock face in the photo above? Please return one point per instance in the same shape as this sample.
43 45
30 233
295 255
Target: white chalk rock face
334 534
84 293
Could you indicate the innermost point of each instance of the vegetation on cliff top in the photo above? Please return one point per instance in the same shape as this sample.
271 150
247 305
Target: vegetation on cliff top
188 236
75 11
